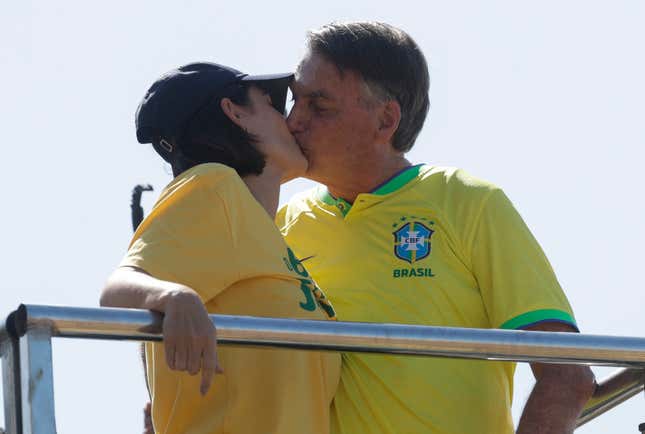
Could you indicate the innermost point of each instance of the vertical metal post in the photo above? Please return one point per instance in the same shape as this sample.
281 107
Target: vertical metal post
11 383
37 382
641 428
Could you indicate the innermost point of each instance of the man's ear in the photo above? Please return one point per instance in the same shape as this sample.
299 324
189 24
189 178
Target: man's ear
233 111
389 119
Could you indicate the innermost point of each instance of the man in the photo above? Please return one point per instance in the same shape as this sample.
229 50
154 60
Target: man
397 243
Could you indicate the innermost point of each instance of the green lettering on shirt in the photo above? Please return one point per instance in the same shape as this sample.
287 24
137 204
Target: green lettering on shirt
309 303
412 272
296 265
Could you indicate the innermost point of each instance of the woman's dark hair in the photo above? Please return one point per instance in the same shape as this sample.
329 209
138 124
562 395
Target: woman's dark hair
211 137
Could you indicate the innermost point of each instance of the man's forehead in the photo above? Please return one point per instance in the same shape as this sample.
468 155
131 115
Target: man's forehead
311 90
318 78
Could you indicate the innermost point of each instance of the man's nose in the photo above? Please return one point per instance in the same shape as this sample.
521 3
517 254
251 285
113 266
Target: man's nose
295 119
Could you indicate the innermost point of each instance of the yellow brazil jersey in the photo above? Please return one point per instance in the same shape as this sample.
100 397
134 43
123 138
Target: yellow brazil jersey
208 232
432 246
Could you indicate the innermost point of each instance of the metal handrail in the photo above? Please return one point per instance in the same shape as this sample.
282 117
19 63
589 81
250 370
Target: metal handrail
490 344
33 326
613 391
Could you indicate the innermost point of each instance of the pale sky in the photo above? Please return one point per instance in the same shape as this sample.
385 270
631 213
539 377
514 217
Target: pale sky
545 99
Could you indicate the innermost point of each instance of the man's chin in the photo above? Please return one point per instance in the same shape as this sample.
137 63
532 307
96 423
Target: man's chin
305 153
308 172
303 149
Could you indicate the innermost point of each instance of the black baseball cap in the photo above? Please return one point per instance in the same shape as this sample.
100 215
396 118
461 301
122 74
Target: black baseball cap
179 94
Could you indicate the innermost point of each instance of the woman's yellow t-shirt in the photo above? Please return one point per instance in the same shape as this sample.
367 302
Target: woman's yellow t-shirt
208 232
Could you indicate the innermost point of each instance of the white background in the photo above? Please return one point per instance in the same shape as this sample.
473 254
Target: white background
545 99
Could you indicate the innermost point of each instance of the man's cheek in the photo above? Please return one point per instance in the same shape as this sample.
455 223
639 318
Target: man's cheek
325 126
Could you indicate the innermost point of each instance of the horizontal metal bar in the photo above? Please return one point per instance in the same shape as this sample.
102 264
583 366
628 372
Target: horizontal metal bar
130 324
511 345
612 391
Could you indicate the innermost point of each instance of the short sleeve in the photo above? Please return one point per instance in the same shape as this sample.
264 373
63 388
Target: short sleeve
187 239
518 285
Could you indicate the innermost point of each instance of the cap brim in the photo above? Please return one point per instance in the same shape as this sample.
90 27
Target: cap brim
276 85
268 77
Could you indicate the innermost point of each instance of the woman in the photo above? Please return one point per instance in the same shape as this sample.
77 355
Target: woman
209 245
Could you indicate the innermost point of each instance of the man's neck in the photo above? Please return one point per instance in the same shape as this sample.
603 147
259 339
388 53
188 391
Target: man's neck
366 178
265 188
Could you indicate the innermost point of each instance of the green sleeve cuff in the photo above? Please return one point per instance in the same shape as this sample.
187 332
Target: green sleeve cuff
539 316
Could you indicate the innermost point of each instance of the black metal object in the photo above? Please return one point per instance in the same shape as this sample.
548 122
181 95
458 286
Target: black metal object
135 205
137 218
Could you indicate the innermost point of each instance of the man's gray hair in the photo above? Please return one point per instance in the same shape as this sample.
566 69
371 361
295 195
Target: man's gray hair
389 61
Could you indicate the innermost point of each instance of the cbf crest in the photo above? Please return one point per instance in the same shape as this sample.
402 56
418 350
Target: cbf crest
412 241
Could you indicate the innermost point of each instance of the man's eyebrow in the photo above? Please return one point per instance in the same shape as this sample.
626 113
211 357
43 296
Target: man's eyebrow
319 94
302 92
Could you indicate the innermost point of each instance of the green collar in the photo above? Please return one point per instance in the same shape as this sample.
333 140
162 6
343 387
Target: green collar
393 184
